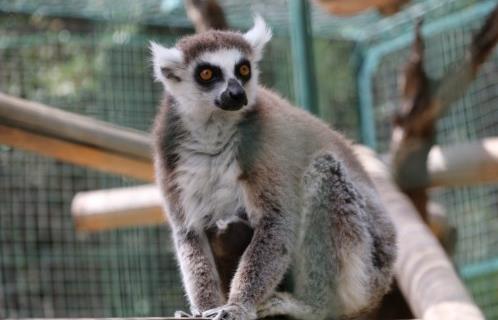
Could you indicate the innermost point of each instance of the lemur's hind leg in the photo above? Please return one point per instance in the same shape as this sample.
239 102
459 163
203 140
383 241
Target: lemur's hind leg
334 272
284 304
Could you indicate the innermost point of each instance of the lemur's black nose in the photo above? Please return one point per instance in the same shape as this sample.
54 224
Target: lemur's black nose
236 91
234 97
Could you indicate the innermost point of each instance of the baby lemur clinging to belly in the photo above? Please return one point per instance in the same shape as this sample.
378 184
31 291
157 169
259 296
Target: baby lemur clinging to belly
256 189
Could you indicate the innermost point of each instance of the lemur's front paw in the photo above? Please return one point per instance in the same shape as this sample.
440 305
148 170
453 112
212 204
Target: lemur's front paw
230 312
183 314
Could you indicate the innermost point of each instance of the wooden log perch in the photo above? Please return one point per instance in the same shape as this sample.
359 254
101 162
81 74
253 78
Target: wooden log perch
424 273
353 7
167 318
151 318
117 208
52 122
77 153
467 164
74 138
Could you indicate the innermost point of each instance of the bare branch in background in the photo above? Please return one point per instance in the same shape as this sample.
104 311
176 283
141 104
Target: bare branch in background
205 15
412 136
424 102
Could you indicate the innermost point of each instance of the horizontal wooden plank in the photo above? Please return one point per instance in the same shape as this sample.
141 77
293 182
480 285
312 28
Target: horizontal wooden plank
462 164
152 318
354 7
78 154
117 208
468 163
166 318
36 117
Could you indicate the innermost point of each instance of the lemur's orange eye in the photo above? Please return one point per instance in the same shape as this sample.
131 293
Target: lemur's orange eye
244 70
206 74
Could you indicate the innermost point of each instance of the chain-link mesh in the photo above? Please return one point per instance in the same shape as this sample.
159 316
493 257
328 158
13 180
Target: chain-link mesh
102 70
46 269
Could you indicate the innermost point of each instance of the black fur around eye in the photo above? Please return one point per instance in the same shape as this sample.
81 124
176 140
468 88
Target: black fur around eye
243 70
207 75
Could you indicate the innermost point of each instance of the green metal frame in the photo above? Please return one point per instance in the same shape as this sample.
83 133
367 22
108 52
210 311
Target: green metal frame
302 55
479 269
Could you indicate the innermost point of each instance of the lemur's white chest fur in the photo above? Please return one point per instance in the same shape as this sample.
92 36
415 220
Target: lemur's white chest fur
208 175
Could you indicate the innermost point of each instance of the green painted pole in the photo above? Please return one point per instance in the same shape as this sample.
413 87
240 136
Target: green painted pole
302 55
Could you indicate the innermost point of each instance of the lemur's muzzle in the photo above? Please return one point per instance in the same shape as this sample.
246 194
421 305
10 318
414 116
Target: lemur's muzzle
233 98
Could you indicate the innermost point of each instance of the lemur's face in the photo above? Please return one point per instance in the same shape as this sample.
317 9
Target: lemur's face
221 79
214 71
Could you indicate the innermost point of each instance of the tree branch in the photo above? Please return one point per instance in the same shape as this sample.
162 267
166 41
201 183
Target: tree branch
206 15
424 102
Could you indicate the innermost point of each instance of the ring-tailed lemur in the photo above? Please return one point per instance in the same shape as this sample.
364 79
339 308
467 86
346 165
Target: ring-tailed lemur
229 152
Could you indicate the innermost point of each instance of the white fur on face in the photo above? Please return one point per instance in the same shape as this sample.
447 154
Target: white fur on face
197 104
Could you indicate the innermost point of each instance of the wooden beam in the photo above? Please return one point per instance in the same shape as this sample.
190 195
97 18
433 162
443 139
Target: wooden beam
53 122
464 164
78 154
151 318
159 318
117 208
424 273
353 7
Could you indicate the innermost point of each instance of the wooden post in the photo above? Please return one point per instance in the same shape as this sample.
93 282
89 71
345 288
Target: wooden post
424 273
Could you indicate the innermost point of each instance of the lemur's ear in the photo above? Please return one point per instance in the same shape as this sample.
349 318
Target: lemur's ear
258 36
166 62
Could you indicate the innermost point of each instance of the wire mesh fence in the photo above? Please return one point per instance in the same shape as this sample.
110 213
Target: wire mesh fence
96 62
46 269
102 70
